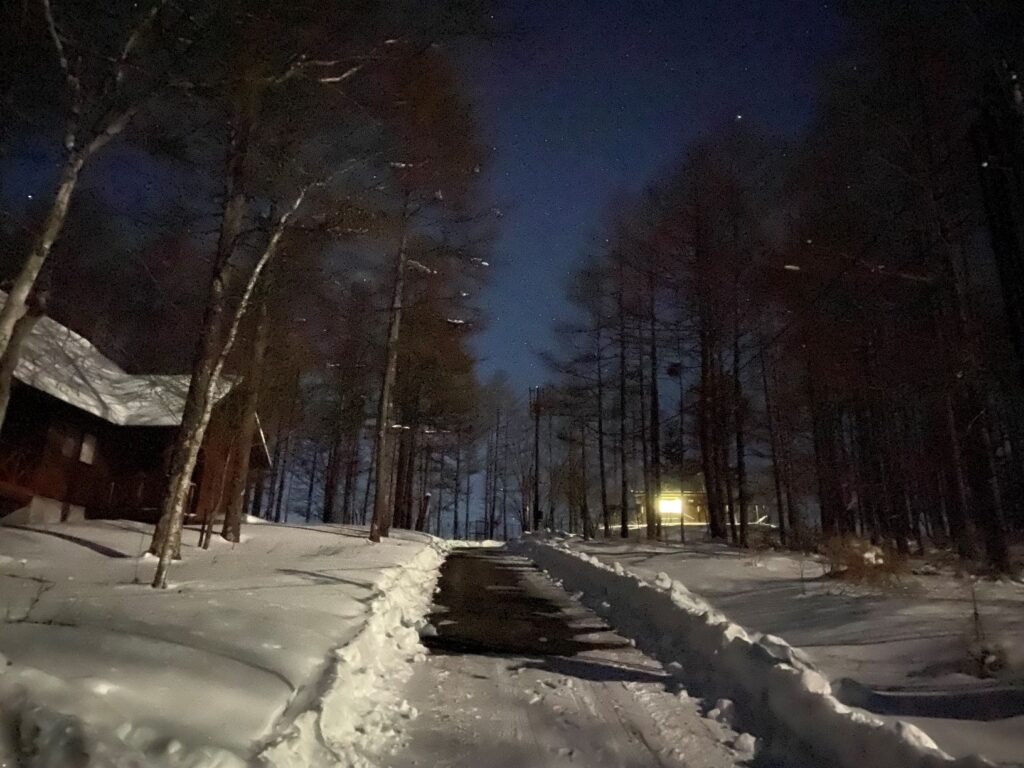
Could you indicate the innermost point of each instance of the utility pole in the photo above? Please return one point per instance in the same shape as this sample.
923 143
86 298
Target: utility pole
538 515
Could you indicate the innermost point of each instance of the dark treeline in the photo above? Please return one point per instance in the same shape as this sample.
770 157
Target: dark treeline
829 328
283 196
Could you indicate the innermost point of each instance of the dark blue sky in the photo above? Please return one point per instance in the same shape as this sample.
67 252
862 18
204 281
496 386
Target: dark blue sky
592 97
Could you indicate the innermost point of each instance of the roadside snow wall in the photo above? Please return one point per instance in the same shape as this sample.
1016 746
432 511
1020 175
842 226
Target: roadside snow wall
779 695
355 717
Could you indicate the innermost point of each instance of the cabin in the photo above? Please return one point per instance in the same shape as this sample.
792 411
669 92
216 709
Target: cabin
689 502
674 502
84 438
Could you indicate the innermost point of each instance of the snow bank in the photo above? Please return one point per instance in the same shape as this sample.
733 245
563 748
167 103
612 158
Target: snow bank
462 544
98 669
777 691
358 715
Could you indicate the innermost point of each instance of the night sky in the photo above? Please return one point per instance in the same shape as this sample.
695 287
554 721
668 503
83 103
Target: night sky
590 98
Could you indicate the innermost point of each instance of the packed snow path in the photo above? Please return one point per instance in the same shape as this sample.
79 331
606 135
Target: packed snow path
522 676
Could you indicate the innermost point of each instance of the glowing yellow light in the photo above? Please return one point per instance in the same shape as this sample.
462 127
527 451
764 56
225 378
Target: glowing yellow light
670 506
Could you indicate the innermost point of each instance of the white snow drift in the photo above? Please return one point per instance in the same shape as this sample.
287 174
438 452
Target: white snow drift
231 662
778 692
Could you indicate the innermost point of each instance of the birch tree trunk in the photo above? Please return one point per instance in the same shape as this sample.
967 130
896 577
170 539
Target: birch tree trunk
196 415
206 374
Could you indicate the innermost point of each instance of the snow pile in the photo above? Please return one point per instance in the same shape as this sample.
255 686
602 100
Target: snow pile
357 718
911 644
463 544
773 687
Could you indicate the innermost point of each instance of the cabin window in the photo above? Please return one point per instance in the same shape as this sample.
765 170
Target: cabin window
68 446
87 453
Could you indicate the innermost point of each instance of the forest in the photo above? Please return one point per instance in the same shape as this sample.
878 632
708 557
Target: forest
830 328
823 335
455 383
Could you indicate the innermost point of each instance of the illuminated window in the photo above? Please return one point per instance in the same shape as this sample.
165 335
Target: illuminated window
670 506
87 453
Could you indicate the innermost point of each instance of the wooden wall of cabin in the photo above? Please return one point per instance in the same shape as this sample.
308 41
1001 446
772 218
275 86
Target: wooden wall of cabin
50 448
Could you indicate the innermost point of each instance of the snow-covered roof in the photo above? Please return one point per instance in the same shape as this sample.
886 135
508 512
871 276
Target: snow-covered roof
56 360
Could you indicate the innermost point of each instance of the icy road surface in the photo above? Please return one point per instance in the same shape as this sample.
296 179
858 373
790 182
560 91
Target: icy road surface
522 676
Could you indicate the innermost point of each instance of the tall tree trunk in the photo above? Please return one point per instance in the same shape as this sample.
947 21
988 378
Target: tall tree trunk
389 512
442 461
275 471
332 472
352 449
708 455
650 513
469 485
17 303
721 436
256 509
551 472
538 514
457 488
216 341
238 478
601 464
282 480
823 438
382 488
682 444
624 476
739 419
504 485
196 415
409 503
400 505
314 460
655 406
489 487
423 511
368 487
588 526
773 443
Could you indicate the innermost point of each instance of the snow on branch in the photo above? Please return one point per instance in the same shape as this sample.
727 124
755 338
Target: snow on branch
421 267
133 39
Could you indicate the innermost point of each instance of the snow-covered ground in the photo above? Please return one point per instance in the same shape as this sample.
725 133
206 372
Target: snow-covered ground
912 640
275 649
